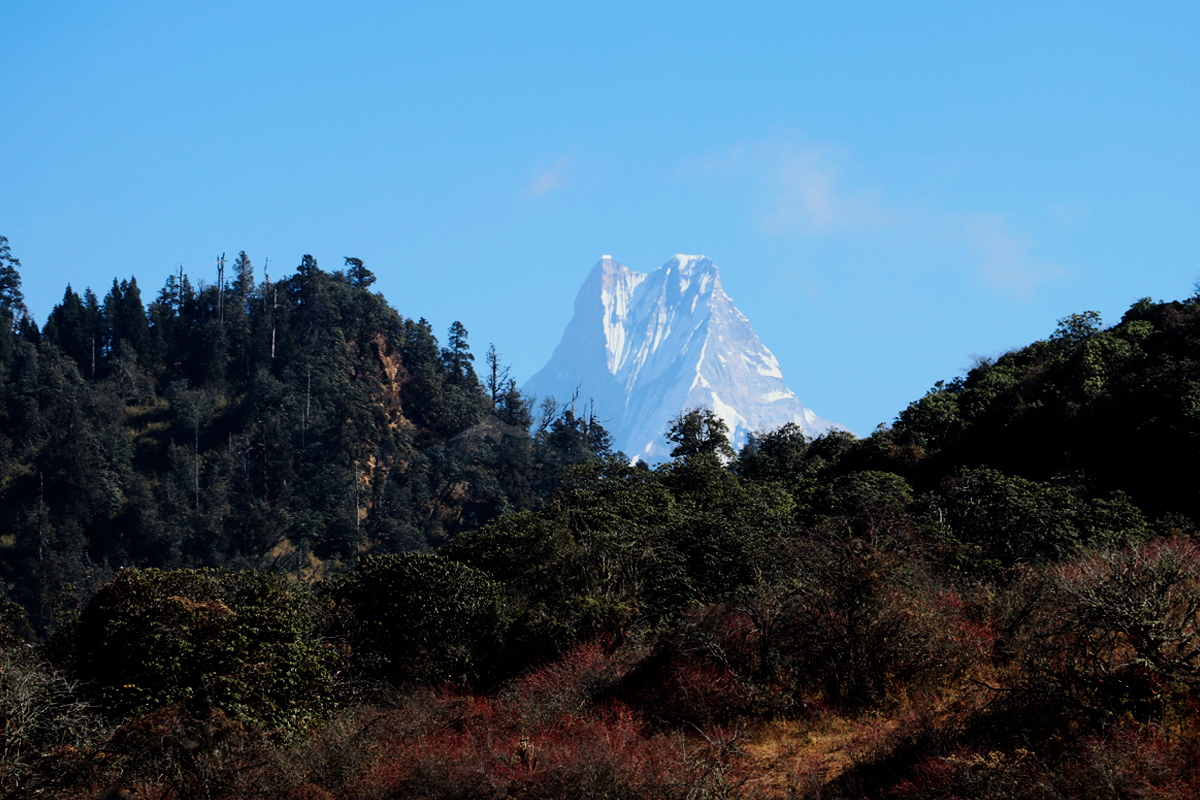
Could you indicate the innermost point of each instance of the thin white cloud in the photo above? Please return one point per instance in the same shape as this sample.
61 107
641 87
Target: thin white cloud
1005 262
805 188
809 190
812 194
551 179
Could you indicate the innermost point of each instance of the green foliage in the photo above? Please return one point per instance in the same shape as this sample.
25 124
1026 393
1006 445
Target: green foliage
621 549
870 505
74 327
827 450
421 617
934 421
1077 328
12 301
699 433
247 643
560 588
725 527
360 277
998 530
1117 406
996 520
776 455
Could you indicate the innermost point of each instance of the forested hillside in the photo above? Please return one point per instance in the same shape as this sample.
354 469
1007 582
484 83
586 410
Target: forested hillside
998 596
289 425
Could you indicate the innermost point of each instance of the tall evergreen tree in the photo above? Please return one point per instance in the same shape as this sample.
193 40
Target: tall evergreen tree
359 276
496 375
237 314
12 301
66 328
457 355
243 278
306 276
93 318
126 316
513 407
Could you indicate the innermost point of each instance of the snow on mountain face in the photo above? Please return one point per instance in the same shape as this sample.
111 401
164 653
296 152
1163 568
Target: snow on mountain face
642 348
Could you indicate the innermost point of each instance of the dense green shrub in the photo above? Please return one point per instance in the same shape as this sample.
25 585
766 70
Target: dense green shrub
248 643
994 520
420 617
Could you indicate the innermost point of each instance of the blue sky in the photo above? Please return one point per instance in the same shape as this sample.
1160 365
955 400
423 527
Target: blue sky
890 190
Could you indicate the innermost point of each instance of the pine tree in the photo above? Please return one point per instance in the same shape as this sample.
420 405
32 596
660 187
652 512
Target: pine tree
12 301
496 375
457 356
237 314
306 276
243 278
359 276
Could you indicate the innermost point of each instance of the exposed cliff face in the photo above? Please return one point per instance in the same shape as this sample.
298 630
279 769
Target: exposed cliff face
645 347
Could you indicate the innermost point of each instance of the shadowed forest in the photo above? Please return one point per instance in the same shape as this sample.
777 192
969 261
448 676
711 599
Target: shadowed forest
272 539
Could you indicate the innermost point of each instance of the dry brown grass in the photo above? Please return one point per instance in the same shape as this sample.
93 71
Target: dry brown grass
797 758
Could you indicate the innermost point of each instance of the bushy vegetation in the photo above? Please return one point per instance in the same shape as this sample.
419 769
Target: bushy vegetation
233 544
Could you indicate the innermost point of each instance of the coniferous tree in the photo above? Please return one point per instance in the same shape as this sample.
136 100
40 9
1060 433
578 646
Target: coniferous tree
304 421
465 401
27 329
67 328
12 301
237 315
457 356
307 276
93 317
125 317
513 407
359 276
243 278
496 374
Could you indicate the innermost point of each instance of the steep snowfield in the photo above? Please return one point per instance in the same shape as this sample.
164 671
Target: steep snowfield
642 348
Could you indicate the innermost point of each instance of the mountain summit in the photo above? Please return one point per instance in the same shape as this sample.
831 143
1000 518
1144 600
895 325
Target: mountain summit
642 348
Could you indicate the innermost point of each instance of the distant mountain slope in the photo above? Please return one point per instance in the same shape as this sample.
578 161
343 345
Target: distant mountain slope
644 347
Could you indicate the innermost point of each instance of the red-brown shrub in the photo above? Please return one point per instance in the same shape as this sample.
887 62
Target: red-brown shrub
568 685
474 750
729 634
1129 761
1134 760
676 688
1114 632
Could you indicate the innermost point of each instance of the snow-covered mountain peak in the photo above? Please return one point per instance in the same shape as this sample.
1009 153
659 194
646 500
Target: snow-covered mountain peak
644 347
682 272
687 265
603 304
